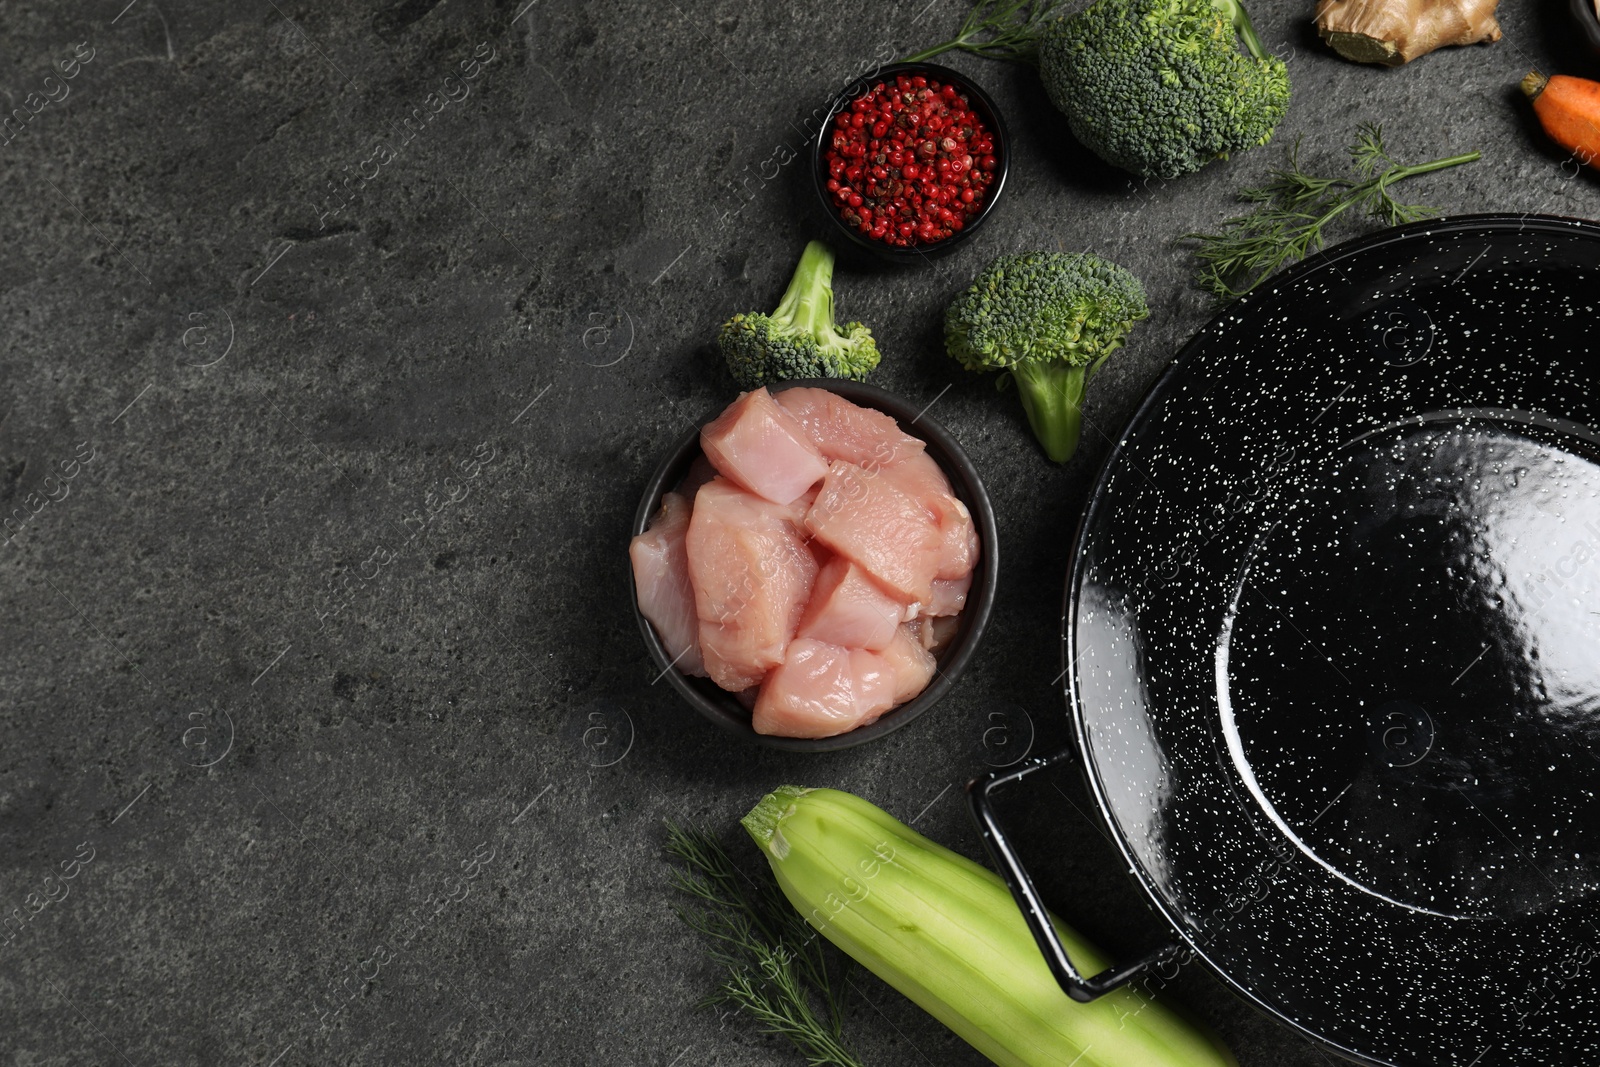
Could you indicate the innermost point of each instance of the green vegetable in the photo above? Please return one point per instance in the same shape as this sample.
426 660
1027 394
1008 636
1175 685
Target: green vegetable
778 972
946 933
800 339
1159 87
1295 207
1049 319
998 29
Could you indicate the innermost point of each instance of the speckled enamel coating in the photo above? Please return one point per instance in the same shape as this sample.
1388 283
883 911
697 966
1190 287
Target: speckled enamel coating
1334 639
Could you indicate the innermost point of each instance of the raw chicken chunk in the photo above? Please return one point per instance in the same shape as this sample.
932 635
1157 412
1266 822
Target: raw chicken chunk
763 448
938 631
864 516
661 576
752 575
797 510
966 560
908 663
849 609
949 595
735 658
842 430
919 476
822 690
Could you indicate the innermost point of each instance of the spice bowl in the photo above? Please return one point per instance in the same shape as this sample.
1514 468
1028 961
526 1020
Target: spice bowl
990 125
722 707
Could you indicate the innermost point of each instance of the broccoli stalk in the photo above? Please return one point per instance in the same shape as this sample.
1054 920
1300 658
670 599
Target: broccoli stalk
800 339
1052 397
807 305
1242 26
1049 320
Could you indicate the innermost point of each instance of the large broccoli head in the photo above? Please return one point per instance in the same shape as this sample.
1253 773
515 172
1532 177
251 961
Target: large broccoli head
1160 87
1050 320
800 339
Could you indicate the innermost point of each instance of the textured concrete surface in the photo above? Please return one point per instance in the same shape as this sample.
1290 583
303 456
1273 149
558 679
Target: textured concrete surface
320 434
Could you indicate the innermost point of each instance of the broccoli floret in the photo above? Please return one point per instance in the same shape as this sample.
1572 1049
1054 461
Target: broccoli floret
800 339
1159 87
1050 320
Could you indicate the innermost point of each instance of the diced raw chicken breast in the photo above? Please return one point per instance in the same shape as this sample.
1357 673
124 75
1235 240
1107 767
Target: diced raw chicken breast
849 609
842 430
822 690
908 663
958 550
919 629
800 507
752 575
819 551
763 448
919 475
922 478
864 516
937 631
823 557
735 659
661 576
949 595
969 559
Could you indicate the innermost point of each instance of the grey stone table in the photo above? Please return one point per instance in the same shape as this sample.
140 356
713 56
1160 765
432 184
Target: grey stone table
338 342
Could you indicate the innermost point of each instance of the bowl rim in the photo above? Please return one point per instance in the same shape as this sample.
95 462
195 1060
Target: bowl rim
969 489
991 114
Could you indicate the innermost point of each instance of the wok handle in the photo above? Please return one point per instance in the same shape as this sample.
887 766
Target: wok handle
980 795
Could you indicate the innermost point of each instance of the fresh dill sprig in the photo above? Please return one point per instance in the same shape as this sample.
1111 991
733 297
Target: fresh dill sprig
778 967
1294 209
998 29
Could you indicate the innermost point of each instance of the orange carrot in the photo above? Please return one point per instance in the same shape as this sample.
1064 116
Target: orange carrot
1569 110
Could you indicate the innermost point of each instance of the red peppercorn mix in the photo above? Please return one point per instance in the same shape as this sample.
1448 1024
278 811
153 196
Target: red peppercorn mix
909 162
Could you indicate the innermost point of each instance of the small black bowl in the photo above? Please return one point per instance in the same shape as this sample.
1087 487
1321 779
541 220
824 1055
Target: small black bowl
721 706
979 102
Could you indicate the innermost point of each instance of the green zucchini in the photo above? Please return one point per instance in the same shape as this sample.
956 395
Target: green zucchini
946 933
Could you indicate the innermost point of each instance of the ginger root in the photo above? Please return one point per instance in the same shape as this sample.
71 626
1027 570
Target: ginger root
1393 32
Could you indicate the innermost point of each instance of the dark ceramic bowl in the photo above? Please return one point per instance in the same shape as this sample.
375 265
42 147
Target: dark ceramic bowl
979 102
721 706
